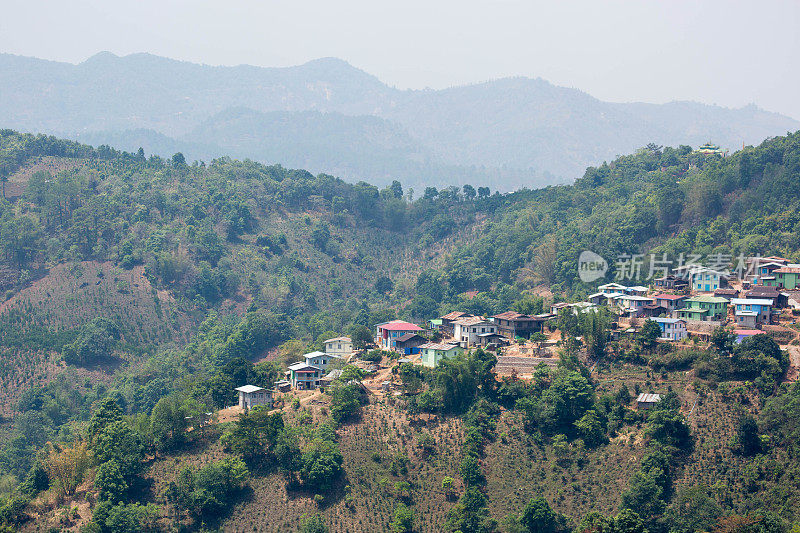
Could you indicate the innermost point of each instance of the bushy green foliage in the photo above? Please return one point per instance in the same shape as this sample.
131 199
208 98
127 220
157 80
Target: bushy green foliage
208 491
255 435
123 518
346 400
470 513
95 342
312 524
320 465
539 517
110 482
403 521
560 404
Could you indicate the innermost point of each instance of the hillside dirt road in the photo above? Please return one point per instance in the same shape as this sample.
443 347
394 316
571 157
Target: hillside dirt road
794 363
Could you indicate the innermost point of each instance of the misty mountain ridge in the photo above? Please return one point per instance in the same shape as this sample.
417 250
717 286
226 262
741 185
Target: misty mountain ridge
328 116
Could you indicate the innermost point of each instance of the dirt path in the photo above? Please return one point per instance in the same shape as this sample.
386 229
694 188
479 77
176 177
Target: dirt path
794 363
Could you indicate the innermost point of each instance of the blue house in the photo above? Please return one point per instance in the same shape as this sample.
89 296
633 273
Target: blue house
750 312
673 329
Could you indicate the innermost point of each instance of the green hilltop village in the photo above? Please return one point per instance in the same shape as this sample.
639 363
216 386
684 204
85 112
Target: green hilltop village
230 346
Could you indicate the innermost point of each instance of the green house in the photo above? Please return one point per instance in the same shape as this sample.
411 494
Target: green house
787 277
431 353
704 308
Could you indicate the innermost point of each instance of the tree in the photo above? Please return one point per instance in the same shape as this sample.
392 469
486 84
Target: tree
320 235
649 334
384 285
106 413
65 465
469 191
644 496
545 259
568 323
760 359
667 426
110 482
361 336
748 441
471 471
124 518
320 465
403 519
470 514
169 421
723 341
628 521
529 305
595 522
207 491
345 402
448 486
538 517
178 160
590 428
20 239
483 192
411 378
96 341
118 442
693 510
255 434
539 339
396 189
312 524
567 399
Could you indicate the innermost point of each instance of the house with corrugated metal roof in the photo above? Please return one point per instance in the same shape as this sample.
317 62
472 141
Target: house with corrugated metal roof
467 330
387 333
704 307
433 352
339 346
252 396
512 324
647 401
672 329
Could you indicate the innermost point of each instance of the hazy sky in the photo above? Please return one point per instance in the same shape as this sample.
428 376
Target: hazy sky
725 52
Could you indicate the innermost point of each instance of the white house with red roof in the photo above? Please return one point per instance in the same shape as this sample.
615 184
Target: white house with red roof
387 333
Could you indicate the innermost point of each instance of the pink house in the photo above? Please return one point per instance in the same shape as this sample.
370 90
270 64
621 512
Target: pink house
387 333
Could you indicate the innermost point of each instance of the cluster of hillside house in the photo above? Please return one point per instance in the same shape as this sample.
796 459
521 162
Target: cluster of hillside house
700 294
692 297
456 332
310 373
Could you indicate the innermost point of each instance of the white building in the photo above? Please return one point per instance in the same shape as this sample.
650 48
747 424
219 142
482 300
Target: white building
251 396
320 360
467 331
612 287
303 376
339 346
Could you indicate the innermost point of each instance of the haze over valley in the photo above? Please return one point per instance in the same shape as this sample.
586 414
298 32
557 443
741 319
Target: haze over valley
328 116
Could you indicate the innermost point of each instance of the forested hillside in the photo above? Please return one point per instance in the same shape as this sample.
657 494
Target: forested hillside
659 200
138 291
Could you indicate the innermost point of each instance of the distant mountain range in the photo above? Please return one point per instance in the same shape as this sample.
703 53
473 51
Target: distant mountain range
328 116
